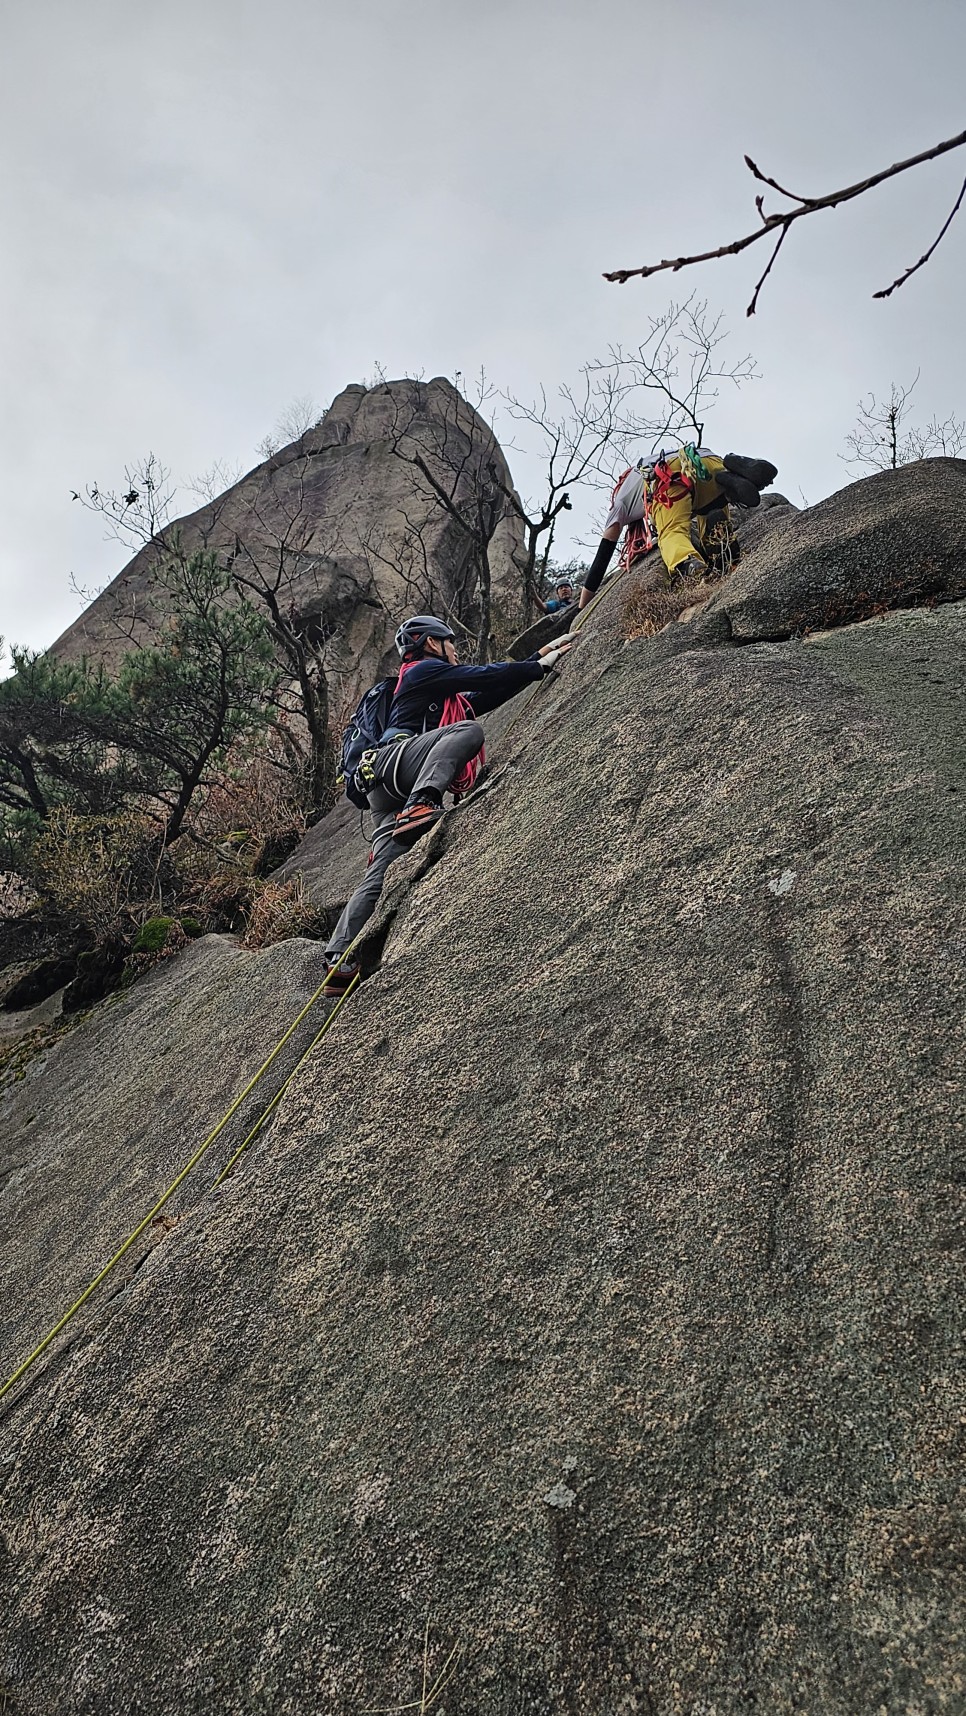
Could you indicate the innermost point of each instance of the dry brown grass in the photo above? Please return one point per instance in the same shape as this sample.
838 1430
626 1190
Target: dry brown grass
250 813
279 910
646 611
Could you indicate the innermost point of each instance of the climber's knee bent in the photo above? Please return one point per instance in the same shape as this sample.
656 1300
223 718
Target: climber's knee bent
434 759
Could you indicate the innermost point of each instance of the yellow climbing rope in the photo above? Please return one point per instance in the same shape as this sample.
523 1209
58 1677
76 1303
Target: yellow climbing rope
276 1099
216 1131
192 1163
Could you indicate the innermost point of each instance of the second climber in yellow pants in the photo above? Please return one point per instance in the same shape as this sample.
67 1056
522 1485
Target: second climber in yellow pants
687 503
681 499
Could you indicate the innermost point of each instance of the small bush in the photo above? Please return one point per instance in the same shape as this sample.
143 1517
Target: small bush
220 900
250 814
278 911
89 868
164 937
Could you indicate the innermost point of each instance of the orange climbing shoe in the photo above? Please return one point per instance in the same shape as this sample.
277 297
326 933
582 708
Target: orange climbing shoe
415 820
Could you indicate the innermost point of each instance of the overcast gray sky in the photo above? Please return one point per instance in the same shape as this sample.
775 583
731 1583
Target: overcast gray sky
211 207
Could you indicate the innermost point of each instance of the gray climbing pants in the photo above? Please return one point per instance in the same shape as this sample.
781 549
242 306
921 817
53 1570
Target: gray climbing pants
402 771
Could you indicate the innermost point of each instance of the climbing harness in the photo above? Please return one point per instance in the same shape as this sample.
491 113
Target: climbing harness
193 1161
670 486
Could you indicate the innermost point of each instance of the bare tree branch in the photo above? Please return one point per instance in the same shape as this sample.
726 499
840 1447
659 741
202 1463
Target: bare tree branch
452 461
782 220
677 367
888 290
752 307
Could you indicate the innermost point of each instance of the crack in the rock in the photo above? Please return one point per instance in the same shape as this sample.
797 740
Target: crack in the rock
838 622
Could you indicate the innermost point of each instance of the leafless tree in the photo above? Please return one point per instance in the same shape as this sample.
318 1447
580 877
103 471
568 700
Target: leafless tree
139 510
662 390
269 568
213 482
408 559
272 565
781 220
575 435
297 418
881 441
669 384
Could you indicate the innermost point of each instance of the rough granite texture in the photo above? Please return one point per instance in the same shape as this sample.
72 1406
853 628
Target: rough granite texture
872 546
340 494
593 1309
103 1119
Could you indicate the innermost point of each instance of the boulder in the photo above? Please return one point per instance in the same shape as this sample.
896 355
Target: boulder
894 540
341 506
542 631
585 1333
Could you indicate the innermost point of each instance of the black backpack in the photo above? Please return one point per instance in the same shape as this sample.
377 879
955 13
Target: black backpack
365 729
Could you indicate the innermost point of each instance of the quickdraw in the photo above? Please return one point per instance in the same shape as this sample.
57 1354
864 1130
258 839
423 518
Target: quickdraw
692 461
366 769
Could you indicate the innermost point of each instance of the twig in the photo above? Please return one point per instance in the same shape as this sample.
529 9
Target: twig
783 220
429 1693
771 262
888 291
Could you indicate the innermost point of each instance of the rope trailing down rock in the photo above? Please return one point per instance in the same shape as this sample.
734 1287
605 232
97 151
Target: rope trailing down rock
192 1163
216 1131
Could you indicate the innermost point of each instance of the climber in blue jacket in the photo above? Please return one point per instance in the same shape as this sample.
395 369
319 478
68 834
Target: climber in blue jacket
563 597
432 744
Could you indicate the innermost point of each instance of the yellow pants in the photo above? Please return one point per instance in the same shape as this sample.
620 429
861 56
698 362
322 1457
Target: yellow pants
673 523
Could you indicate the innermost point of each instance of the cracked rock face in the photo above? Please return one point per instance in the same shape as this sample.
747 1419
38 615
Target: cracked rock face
586 1330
